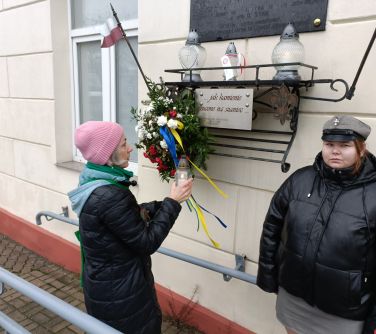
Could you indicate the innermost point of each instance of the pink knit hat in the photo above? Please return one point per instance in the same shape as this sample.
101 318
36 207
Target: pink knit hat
98 140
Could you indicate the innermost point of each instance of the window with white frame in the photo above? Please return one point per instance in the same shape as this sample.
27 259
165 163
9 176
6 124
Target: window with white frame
105 80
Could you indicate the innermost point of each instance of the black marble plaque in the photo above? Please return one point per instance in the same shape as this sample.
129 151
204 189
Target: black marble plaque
217 20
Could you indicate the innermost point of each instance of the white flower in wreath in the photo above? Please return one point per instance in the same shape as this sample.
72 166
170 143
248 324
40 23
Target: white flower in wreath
172 123
162 120
147 110
167 102
140 135
180 116
163 144
151 122
155 134
149 135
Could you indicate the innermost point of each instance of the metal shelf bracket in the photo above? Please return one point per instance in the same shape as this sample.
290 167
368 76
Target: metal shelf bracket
284 101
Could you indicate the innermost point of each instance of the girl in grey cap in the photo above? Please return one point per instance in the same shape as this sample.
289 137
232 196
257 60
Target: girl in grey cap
318 246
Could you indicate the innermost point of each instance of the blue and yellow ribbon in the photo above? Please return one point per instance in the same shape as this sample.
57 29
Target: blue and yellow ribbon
169 135
178 139
169 139
202 220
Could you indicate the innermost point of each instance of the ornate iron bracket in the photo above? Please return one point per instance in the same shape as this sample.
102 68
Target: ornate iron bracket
284 100
332 83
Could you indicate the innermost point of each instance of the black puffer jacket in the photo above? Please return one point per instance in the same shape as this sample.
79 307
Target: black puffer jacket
318 239
117 240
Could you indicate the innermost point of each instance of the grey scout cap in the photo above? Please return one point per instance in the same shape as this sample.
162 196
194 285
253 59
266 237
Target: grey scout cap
345 128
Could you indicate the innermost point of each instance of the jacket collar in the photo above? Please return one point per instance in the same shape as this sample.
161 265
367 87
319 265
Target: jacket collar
345 176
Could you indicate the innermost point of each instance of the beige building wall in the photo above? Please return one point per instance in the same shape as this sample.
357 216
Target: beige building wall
337 53
35 109
36 137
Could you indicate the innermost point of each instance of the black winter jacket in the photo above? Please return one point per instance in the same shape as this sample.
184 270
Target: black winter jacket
318 239
117 240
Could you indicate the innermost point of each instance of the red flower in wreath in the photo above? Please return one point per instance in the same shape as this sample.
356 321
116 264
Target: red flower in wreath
152 150
162 167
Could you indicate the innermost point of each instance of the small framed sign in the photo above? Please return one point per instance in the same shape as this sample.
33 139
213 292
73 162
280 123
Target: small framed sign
225 108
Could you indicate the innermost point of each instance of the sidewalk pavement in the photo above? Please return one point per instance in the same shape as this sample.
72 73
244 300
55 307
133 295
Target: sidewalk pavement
53 279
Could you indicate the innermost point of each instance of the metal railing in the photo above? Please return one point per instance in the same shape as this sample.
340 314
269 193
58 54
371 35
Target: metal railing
81 319
66 311
10 326
228 273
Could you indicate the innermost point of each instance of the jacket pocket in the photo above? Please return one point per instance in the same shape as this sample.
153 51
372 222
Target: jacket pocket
337 290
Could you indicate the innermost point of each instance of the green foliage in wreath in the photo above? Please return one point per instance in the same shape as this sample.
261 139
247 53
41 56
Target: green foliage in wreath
172 109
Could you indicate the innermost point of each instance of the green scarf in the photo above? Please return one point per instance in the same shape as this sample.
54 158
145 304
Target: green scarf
116 171
112 170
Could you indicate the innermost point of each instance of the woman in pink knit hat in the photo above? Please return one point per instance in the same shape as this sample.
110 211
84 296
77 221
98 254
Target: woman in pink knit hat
117 234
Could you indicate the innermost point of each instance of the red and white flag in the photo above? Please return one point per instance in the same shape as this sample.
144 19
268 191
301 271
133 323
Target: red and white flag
111 32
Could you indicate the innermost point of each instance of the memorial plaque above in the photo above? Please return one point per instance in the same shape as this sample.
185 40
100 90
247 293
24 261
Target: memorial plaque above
225 108
217 20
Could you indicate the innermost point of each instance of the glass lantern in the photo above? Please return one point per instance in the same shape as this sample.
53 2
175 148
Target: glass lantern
183 171
191 56
288 50
230 59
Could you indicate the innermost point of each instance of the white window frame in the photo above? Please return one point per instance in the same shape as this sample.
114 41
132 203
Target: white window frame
89 34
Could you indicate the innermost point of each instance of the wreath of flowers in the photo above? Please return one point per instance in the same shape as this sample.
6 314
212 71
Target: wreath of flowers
169 110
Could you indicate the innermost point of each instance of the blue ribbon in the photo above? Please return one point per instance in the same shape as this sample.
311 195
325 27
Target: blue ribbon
170 141
219 220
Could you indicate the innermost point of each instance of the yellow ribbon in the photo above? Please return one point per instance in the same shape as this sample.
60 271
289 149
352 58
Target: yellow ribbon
180 125
201 218
191 202
178 139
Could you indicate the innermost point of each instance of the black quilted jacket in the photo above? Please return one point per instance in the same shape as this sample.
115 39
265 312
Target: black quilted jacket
318 239
118 239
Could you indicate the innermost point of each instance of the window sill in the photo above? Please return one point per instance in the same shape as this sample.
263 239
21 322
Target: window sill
72 165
